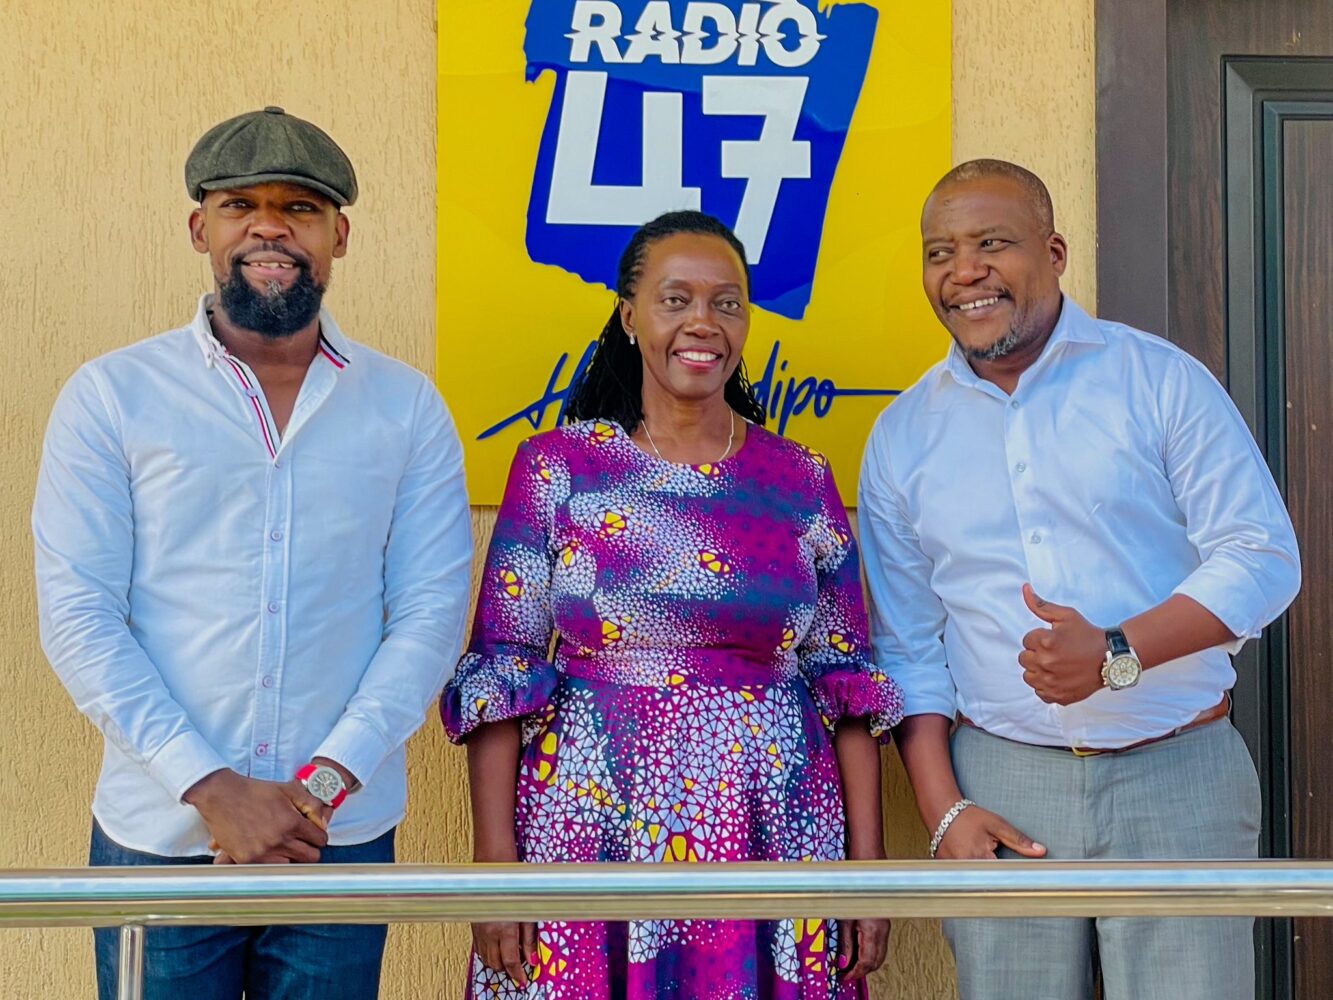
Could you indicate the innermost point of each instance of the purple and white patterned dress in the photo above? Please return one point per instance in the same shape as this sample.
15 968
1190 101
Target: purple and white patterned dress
711 632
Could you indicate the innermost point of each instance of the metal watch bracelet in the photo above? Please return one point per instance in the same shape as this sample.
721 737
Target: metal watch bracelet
947 822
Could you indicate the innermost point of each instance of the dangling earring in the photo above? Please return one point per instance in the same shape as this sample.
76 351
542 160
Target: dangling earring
631 339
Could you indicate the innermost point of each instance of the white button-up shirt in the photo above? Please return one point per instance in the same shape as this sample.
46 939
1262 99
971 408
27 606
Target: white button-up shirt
1117 474
214 595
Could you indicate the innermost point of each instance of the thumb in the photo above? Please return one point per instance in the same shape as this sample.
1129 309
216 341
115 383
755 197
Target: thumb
1016 840
846 943
1047 611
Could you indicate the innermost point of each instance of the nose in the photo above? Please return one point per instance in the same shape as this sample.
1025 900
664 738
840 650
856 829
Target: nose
267 223
968 266
701 320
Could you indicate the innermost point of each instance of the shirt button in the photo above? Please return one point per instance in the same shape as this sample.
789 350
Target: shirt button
261 749
267 681
273 607
1013 404
276 535
251 391
1021 467
1035 538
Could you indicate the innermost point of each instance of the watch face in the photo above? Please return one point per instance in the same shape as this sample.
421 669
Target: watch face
1122 672
325 784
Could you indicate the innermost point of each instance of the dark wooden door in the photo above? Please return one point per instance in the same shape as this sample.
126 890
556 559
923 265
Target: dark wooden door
1308 328
1215 195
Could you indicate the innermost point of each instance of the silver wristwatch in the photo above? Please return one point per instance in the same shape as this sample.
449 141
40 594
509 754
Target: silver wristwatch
1122 668
324 783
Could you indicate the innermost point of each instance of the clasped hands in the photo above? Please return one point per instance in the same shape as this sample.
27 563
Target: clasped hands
260 822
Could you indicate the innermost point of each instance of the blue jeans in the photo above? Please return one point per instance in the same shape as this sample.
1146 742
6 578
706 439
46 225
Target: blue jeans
306 962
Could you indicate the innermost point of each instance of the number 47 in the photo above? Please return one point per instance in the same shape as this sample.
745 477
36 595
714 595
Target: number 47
763 163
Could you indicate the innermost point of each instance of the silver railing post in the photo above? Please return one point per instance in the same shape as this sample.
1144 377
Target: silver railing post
130 973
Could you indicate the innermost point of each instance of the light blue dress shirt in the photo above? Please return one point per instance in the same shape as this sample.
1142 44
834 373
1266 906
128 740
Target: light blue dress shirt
1117 474
213 595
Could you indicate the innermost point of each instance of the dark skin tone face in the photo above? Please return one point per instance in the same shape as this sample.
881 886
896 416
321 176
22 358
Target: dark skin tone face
690 314
269 228
273 229
991 269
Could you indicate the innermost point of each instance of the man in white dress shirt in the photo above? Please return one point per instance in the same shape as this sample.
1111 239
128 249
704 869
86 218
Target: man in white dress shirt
1067 528
253 550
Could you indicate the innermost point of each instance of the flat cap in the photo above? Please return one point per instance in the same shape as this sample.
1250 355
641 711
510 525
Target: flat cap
267 146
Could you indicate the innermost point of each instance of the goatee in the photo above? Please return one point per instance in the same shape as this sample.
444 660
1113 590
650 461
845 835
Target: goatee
1002 348
274 312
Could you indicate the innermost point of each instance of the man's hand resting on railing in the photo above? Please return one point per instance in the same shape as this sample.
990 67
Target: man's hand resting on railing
260 822
978 833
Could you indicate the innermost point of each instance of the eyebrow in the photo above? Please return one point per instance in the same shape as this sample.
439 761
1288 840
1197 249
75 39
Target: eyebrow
298 194
673 282
974 234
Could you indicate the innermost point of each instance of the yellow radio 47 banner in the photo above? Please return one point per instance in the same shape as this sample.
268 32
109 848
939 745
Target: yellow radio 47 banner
814 130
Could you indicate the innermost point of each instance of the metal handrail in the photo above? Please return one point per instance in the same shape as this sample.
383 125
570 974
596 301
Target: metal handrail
135 897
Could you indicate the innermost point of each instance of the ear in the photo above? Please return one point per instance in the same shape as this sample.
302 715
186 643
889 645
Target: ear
627 315
198 230
342 226
1059 251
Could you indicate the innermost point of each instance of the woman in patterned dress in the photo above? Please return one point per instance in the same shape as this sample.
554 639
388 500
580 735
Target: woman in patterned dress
709 697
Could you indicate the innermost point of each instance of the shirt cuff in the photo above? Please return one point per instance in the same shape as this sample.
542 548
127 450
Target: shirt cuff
183 761
1233 601
357 746
925 695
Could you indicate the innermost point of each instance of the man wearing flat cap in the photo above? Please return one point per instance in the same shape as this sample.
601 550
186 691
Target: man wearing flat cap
253 549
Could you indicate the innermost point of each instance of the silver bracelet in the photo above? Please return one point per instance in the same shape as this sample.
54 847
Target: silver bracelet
947 822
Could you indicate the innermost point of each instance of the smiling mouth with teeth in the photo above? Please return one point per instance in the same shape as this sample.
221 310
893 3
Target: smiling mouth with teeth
270 263
978 304
700 356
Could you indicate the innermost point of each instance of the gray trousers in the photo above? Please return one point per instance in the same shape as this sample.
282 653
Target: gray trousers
1195 795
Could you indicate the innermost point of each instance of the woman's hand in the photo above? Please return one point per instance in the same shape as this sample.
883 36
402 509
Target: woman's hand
862 947
507 947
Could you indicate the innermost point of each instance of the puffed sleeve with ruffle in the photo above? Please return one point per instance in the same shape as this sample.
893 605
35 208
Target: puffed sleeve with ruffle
833 655
505 673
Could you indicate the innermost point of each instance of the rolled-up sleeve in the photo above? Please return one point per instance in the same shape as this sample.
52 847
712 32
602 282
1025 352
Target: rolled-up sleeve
506 673
427 577
1250 567
906 617
83 530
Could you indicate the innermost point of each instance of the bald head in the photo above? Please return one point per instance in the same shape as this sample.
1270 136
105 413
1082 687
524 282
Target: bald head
1035 196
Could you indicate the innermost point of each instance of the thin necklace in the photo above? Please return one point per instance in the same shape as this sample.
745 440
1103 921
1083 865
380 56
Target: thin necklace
725 452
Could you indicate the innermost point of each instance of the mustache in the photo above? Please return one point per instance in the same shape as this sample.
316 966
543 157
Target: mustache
295 256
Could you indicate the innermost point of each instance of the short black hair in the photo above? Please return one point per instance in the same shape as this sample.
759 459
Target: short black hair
611 387
1039 198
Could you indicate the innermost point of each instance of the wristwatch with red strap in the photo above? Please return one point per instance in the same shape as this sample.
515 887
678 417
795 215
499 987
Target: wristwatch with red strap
324 783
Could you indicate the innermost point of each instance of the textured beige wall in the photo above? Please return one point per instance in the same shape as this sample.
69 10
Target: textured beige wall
100 102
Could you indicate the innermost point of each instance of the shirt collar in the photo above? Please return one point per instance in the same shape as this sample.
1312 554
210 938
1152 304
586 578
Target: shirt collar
332 342
1073 327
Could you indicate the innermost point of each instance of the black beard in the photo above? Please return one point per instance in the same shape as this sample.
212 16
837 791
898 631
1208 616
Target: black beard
275 313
